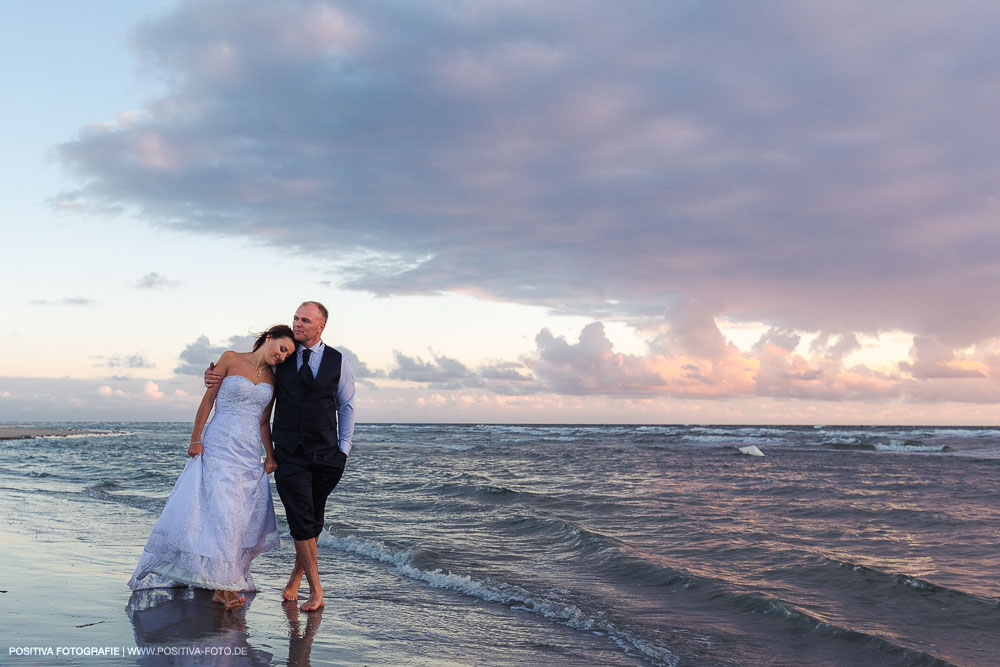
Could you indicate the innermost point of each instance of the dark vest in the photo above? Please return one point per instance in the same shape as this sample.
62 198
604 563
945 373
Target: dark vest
307 416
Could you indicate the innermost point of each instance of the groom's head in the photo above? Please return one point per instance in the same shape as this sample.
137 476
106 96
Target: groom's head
309 322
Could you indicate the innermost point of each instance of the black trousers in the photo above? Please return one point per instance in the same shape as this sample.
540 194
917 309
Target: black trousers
304 481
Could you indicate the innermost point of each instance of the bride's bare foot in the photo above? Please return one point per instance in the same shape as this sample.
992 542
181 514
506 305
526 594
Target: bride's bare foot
234 599
291 591
314 602
231 599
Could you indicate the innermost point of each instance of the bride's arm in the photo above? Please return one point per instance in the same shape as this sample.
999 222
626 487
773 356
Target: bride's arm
207 402
270 465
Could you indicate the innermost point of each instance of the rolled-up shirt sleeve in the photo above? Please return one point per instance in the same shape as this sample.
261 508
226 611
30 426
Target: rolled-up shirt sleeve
345 403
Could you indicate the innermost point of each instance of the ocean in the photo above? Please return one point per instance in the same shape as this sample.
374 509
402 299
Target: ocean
493 544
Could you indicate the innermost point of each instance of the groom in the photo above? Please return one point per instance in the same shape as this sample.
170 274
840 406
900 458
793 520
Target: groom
313 427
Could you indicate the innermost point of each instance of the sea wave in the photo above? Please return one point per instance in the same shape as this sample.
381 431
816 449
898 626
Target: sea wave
103 490
960 601
964 432
511 595
853 444
553 607
730 439
484 490
480 490
600 553
804 621
451 446
879 444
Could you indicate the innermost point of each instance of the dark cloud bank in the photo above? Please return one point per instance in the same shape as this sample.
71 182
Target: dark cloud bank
826 167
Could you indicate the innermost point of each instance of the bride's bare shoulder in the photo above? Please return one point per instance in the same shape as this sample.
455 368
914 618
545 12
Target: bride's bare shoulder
227 360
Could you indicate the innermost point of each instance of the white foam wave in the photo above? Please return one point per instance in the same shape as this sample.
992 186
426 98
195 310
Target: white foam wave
500 592
964 432
842 441
900 446
76 435
917 584
869 433
744 431
732 438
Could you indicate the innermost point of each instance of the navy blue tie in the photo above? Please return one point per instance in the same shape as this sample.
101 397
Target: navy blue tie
306 373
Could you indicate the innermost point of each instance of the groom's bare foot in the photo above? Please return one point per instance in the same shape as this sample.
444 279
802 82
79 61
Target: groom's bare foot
291 591
314 602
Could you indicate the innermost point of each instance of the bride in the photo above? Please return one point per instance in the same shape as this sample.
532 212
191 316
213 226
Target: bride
219 515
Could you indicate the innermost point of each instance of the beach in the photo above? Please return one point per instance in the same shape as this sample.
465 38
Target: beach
65 559
65 601
534 545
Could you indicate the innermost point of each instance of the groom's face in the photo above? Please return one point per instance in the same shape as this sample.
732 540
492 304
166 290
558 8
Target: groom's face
308 325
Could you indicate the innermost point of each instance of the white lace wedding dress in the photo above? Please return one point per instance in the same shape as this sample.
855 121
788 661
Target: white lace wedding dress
220 514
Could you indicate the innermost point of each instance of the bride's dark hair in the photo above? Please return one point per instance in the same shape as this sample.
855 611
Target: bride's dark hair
277 331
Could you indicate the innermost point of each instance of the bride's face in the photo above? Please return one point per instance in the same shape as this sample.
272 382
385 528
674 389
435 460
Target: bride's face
278 349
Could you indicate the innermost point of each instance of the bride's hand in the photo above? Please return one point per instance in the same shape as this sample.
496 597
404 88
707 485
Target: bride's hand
270 465
195 449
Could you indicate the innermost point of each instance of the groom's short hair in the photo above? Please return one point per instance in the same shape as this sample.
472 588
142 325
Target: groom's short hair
320 307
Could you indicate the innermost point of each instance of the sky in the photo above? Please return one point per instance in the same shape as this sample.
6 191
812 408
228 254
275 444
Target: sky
638 212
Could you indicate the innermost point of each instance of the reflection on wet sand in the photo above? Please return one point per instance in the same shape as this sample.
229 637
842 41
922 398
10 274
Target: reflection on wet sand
183 626
300 639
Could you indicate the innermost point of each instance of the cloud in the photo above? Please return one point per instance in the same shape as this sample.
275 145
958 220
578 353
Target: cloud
507 371
152 390
68 301
932 359
98 399
155 281
781 373
677 365
591 366
196 356
360 369
804 165
445 373
124 361
442 372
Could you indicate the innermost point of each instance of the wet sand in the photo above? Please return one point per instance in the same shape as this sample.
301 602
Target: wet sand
64 600
68 603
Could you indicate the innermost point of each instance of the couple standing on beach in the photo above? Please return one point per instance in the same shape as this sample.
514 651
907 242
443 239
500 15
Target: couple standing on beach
220 514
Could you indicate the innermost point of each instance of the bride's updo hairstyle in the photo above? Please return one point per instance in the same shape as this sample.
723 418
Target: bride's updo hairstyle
277 331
